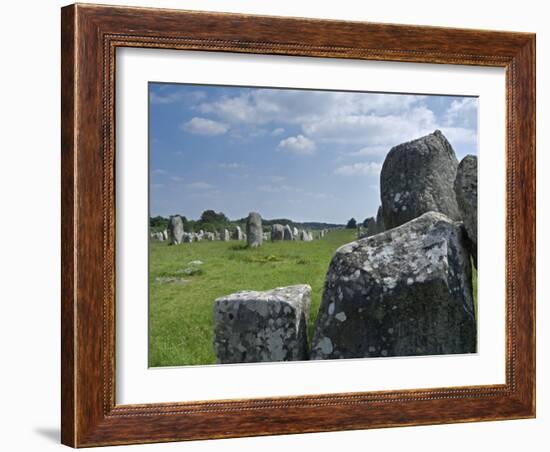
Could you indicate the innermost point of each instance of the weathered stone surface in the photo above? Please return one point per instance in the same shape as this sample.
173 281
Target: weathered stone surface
225 236
417 177
287 233
254 231
252 326
305 236
277 232
406 291
175 229
466 197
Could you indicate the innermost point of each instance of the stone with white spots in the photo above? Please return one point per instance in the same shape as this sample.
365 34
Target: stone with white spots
175 229
403 292
251 326
254 231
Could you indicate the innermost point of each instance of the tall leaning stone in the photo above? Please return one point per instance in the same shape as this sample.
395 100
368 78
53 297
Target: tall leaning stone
417 177
466 196
175 229
380 227
252 326
254 231
406 291
277 232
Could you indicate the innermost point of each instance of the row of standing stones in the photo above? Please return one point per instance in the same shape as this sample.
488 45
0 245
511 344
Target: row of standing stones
404 290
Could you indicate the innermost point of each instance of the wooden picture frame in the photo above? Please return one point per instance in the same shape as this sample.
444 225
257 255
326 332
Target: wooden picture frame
90 36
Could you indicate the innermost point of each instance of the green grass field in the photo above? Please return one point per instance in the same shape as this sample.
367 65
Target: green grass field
181 302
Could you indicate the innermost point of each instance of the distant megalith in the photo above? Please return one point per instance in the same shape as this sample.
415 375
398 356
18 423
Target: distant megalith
305 236
238 234
406 291
277 232
287 233
175 229
252 326
380 227
466 196
225 236
370 224
295 232
254 231
417 177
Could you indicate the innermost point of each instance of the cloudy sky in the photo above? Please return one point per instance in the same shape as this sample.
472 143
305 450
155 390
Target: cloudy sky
298 154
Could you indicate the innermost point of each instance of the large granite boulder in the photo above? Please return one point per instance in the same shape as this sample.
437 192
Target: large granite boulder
466 197
277 232
252 326
287 233
175 229
254 231
418 177
406 291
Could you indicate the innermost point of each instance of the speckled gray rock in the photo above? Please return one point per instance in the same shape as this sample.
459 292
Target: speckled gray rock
418 177
252 326
406 291
277 232
466 197
287 233
254 231
175 229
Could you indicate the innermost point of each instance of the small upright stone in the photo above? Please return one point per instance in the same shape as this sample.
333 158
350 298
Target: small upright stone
417 177
269 326
225 236
380 227
466 197
175 228
295 233
277 232
287 233
254 231
305 236
371 226
238 234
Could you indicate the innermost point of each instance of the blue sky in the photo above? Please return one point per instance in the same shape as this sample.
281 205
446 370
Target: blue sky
298 154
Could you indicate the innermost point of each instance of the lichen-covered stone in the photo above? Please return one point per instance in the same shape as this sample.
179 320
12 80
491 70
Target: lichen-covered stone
406 291
418 177
175 229
252 326
254 231
466 196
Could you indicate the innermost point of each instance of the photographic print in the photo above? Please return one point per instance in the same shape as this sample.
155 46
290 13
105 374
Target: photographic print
291 224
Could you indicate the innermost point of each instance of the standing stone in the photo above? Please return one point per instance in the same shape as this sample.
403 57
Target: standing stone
406 291
254 231
225 236
287 233
265 236
252 326
277 232
305 236
417 177
238 234
295 233
188 237
371 226
380 227
466 197
175 228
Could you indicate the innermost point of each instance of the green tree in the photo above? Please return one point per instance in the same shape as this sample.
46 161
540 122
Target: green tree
352 223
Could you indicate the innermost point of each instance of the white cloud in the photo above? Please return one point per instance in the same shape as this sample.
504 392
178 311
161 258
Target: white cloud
199 186
232 165
177 179
362 169
370 151
298 144
158 98
278 131
159 172
462 112
204 126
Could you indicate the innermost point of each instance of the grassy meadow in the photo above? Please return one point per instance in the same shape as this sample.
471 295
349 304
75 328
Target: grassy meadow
181 294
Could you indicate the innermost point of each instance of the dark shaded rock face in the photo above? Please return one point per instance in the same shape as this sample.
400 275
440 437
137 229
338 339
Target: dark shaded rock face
266 326
371 226
406 291
175 230
466 196
277 232
254 231
380 227
417 177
